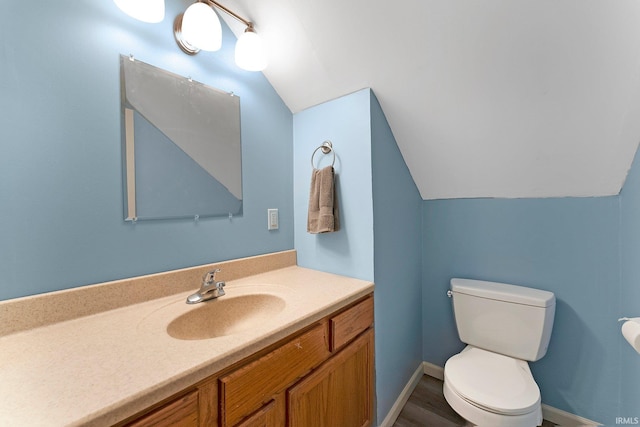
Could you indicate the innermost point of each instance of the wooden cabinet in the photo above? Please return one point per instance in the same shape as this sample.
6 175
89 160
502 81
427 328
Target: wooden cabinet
267 416
321 376
339 393
181 412
247 388
349 323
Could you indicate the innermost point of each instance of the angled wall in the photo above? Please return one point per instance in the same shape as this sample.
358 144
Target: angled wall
397 264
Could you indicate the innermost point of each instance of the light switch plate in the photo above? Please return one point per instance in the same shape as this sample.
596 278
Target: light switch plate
272 219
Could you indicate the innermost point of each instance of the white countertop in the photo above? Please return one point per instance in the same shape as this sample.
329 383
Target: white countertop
102 368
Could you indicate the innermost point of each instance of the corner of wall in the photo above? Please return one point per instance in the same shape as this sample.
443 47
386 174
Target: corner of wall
397 219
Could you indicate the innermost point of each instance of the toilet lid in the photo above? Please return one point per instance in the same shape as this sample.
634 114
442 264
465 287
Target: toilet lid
493 382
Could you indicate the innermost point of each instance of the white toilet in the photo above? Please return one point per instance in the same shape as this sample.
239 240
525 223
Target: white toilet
489 383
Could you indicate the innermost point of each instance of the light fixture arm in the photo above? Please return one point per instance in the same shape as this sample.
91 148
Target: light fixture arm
204 32
225 9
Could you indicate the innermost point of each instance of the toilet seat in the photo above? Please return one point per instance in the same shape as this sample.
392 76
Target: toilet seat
476 416
492 382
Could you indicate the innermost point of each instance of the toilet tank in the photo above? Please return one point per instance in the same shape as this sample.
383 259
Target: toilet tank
512 320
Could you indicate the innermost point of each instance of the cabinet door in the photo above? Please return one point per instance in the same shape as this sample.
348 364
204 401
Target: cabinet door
339 393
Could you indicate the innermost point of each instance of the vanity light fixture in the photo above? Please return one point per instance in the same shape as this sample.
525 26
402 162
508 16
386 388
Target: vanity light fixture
143 10
250 51
198 28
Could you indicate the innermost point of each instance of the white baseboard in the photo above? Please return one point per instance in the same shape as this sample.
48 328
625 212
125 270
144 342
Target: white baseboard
402 399
555 415
564 418
434 371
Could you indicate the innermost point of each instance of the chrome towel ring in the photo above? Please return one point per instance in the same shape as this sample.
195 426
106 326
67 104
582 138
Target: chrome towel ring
326 148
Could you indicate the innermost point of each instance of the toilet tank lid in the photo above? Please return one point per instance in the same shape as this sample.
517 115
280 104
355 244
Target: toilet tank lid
503 292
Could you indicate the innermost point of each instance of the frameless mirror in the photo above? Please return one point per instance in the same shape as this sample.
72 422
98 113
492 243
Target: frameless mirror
182 155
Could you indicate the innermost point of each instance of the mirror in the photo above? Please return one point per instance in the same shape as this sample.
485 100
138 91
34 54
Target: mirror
182 154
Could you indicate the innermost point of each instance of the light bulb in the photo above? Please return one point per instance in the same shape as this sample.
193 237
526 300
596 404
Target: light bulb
201 27
143 10
250 52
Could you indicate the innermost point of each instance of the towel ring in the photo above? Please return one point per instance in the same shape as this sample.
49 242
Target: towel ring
326 148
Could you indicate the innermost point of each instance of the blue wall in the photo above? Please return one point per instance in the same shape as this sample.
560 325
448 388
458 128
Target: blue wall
346 122
397 264
629 296
374 188
585 250
61 202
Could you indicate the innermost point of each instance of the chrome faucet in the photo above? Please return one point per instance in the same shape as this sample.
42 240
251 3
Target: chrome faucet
210 289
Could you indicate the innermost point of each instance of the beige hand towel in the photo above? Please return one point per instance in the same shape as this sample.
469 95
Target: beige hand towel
322 216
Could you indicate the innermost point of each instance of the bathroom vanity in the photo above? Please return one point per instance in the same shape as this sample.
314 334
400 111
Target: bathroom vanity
328 365
282 343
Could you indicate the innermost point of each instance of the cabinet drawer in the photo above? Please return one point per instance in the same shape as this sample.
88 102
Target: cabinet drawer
248 388
182 412
350 323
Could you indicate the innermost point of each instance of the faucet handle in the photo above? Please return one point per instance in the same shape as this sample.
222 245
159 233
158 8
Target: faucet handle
210 277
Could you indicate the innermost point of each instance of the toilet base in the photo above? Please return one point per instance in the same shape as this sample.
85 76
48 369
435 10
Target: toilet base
479 417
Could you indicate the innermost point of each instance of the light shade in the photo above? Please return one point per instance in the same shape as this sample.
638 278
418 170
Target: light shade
250 52
201 27
143 10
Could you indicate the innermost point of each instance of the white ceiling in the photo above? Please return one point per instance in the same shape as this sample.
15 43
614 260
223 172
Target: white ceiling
491 98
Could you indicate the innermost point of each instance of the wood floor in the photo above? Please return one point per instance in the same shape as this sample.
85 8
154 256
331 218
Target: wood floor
427 407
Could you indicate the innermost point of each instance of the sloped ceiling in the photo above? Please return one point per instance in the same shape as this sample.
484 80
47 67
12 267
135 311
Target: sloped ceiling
491 98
